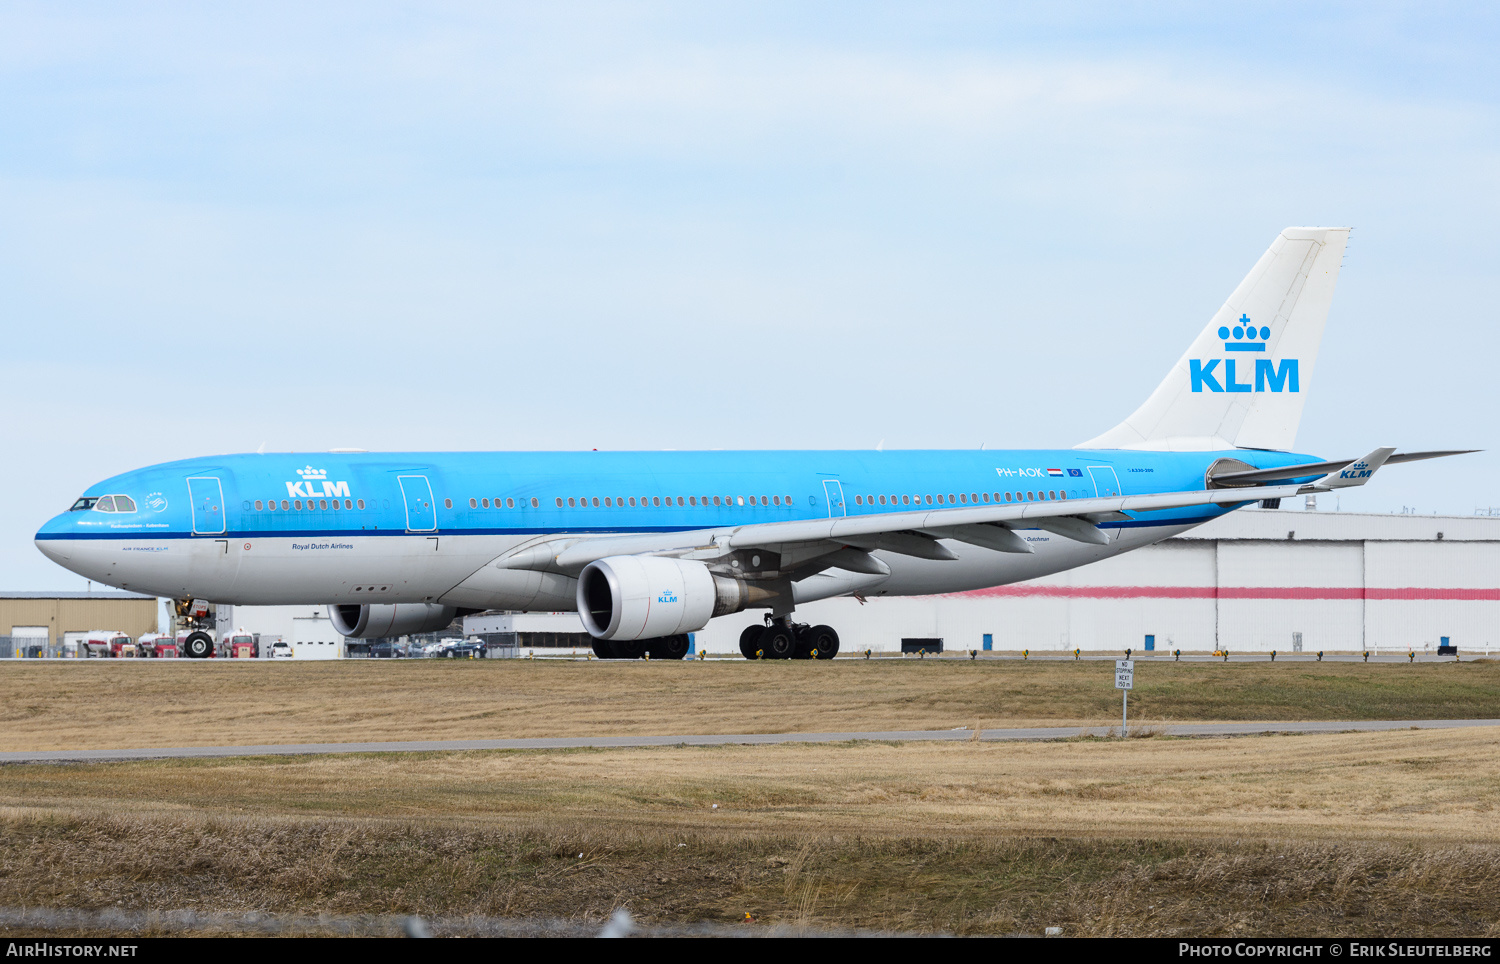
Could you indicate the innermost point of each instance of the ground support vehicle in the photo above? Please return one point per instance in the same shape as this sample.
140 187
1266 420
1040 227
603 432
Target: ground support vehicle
157 646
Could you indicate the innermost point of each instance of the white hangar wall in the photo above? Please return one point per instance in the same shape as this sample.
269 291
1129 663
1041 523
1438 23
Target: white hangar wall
1245 582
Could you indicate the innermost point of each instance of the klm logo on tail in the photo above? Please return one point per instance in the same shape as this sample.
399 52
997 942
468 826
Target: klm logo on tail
1269 375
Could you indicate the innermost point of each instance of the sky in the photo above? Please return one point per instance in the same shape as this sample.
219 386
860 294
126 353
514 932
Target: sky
681 226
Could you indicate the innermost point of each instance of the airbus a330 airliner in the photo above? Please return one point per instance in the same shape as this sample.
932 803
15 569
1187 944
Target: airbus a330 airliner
649 546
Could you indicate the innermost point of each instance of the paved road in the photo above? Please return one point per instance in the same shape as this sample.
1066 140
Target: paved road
605 742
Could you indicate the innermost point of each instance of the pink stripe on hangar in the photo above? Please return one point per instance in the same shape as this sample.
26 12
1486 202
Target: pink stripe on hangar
1229 592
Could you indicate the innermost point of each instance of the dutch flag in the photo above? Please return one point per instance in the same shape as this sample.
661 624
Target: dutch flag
1055 472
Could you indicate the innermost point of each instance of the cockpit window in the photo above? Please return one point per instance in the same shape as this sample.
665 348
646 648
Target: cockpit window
105 504
124 503
84 504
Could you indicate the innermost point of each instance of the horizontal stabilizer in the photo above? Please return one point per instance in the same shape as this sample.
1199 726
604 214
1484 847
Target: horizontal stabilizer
1310 469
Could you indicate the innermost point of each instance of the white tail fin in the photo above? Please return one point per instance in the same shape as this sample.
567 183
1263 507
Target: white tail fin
1243 381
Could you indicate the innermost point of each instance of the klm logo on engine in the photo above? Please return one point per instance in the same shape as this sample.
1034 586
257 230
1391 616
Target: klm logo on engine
667 596
315 483
1269 375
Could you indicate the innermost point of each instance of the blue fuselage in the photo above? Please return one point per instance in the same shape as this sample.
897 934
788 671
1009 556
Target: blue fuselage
293 528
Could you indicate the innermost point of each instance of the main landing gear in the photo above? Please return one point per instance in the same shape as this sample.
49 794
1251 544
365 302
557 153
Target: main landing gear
662 647
781 638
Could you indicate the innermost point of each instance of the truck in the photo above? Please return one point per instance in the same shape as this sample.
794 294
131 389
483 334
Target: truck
107 643
242 645
157 646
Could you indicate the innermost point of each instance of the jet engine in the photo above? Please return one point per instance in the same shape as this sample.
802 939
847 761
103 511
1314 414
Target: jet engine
400 619
644 597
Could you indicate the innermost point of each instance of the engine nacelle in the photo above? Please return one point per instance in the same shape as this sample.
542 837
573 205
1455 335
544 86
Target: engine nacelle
643 597
400 619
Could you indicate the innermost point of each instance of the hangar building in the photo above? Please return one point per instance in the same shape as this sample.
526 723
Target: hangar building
40 619
1249 581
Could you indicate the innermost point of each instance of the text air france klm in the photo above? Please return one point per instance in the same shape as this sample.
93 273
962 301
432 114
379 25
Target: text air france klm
1269 374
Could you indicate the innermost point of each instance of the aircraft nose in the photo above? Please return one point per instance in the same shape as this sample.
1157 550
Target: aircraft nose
51 539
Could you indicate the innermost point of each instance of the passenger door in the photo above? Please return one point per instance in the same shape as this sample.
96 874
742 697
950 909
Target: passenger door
416 493
835 494
206 496
1106 483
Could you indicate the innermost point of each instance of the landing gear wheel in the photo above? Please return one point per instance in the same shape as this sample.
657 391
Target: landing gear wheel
750 641
777 642
198 646
629 648
803 648
604 649
825 642
668 647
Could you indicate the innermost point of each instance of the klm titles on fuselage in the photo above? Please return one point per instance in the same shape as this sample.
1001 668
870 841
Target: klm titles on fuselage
315 484
1270 375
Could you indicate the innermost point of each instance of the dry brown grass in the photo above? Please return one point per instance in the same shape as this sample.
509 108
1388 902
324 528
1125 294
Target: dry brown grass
1404 786
103 703
1340 834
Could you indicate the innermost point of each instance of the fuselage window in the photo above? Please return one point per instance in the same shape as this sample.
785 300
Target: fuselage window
257 505
474 503
485 503
1029 497
533 503
1007 497
741 500
447 503
962 497
335 504
986 497
1063 494
632 501
1051 494
716 500
596 502
752 500
859 500
764 501
929 500
681 501
656 501
882 500
788 499
609 502
776 500
940 498
361 503
905 499
950 498
571 502
283 505
271 504
322 504
559 502
511 503
297 504
348 504
692 500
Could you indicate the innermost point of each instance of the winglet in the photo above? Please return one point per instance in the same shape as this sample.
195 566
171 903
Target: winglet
1357 472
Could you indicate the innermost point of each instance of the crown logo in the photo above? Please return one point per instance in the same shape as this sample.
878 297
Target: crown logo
312 473
1246 336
